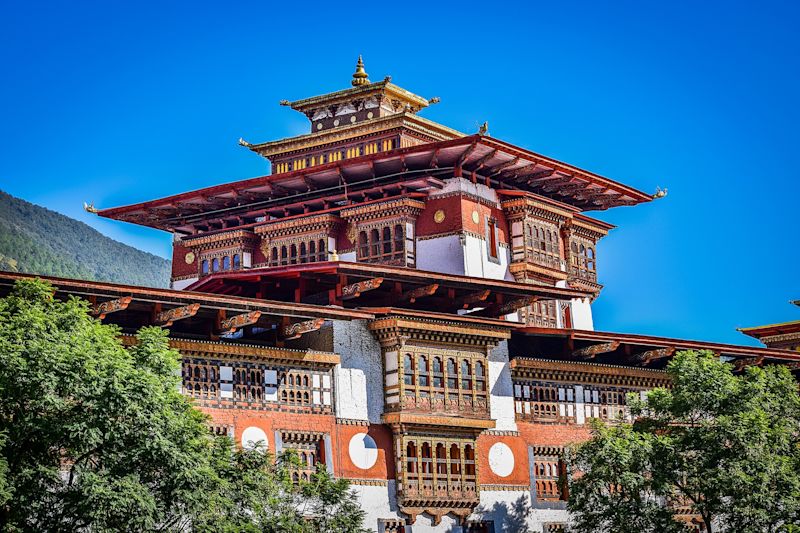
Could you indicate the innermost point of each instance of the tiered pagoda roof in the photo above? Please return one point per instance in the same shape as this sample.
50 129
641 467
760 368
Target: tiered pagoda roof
420 169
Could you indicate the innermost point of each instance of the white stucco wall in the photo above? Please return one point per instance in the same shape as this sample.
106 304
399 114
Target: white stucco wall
378 503
582 314
181 284
442 254
511 510
477 263
501 389
359 376
349 256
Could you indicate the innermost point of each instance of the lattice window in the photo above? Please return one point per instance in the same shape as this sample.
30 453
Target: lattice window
305 251
541 314
553 527
607 403
583 261
541 401
309 449
257 385
438 468
384 244
542 244
442 380
549 472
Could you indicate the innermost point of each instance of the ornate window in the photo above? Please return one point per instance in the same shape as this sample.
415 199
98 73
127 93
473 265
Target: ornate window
439 468
226 263
237 262
583 258
308 446
385 244
432 380
260 386
307 251
215 264
542 244
549 471
204 266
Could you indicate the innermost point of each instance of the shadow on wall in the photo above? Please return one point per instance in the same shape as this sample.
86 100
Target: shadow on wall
507 519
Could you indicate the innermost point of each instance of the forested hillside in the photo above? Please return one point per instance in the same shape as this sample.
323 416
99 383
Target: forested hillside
39 241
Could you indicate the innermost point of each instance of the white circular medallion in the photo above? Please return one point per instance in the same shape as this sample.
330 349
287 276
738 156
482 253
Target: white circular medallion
251 437
476 217
319 125
336 122
501 459
353 118
370 114
363 451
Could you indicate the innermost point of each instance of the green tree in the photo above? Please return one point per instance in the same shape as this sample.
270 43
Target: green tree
727 446
256 493
97 437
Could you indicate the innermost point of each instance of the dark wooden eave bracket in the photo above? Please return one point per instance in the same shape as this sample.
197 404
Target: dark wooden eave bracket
168 317
230 325
645 358
111 306
298 329
354 290
589 352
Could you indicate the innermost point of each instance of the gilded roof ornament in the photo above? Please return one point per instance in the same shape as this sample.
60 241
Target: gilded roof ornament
89 207
360 76
483 129
660 193
244 143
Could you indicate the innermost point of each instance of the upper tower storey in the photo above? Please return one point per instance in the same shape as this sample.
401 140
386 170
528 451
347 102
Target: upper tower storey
366 119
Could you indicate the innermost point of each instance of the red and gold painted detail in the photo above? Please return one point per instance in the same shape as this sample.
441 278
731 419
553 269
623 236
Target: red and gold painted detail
246 352
170 316
396 330
523 368
227 239
181 268
111 306
306 224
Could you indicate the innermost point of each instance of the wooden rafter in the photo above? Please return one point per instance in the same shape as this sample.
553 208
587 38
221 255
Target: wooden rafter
298 329
482 161
590 352
512 306
561 183
168 317
741 364
521 172
497 169
466 301
541 176
420 292
354 290
229 325
111 306
466 153
645 358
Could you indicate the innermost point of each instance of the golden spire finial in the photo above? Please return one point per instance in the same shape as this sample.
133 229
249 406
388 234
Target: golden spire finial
360 76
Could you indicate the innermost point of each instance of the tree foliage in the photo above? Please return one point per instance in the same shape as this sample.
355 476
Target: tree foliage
40 241
726 446
97 437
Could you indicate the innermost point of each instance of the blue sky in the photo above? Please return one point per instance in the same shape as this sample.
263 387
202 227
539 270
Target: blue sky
117 105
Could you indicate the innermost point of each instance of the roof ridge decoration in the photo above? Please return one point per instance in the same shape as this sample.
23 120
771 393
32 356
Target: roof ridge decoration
360 76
